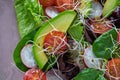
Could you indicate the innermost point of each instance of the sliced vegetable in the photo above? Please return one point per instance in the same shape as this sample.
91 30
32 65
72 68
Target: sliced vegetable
89 74
113 69
104 45
60 23
28 14
64 4
55 42
34 74
51 11
19 47
90 59
109 7
27 56
47 3
96 11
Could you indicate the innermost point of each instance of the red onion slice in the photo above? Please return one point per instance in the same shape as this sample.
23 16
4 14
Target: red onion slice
90 59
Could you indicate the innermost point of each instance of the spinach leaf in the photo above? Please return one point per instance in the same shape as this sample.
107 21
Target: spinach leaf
89 74
28 14
105 44
76 31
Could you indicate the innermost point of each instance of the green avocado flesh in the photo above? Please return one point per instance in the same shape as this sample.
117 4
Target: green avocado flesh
61 23
110 6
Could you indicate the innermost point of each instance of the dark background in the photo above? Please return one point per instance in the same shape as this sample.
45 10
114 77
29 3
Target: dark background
9 38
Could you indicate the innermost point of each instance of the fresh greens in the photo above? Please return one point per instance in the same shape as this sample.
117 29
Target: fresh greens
90 74
85 7
28 14
76 31
105 44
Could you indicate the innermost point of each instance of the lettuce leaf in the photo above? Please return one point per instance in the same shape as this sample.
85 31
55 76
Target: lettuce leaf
28 14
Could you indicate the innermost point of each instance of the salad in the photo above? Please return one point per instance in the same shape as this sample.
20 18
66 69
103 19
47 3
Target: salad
68 39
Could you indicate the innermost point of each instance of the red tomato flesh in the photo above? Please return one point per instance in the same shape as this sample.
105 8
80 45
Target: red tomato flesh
47 3
55 42
113 69
34 74
64 4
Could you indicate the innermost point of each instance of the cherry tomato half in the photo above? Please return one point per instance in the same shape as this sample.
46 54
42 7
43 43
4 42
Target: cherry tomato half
64 4
34 74
113 69
47 3
55 42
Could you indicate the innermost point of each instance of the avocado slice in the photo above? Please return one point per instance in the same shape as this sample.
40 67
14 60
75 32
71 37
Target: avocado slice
109 7
61 23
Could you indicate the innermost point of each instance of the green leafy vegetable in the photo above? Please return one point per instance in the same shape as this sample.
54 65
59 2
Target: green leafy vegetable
105 44
76 31
85 7
90 74
28 14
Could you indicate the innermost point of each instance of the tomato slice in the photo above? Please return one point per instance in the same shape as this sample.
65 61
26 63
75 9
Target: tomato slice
100 27
47 3
55 42
34 74
64 4
113 69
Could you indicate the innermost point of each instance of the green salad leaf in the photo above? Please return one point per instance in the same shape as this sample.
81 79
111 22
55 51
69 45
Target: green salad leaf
90 74
104 45
85 7
76 31
28 14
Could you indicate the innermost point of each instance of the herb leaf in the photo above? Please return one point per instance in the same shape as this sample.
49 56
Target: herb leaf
104 45
89 74
76 32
